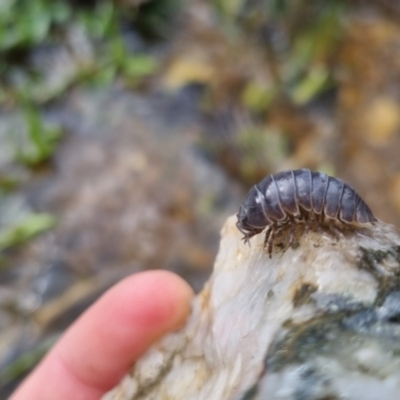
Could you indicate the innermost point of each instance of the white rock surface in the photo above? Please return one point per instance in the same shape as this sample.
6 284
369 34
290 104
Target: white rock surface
320 320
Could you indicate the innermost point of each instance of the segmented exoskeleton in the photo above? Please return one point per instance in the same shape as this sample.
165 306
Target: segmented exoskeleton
294 195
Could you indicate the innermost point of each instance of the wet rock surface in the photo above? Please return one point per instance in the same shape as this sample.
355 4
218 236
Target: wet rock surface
319 320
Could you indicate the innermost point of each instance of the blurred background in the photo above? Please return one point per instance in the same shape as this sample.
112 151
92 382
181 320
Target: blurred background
130 130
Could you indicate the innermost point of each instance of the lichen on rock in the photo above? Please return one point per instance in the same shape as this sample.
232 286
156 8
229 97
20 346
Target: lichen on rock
318 320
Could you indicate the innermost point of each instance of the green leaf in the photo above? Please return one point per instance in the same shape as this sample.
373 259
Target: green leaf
316 81
42 139
21 231
61 12
258 97
139 66
118 50
35 23
28 22
229 8
104 76
7 183
101 21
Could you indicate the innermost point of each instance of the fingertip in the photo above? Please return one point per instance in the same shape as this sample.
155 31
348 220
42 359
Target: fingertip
157 300
102 344
122 324
171 296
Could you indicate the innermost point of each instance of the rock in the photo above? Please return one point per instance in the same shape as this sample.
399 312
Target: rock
320 320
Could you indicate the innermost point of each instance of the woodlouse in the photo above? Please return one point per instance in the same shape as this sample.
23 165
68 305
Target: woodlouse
295 195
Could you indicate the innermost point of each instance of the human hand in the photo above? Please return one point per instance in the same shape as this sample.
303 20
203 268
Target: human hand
101 346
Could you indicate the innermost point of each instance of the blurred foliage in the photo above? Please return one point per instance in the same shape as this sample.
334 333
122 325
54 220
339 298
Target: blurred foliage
7 183
26 26
99 23
30 30
299 40
271 144
282 58
46 48
310 85
24 23
156 19
39 141
94 43
23 230
257 96
132 67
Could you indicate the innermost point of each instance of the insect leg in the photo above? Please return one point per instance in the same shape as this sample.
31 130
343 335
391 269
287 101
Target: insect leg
246 240
267 236
291 232
271 240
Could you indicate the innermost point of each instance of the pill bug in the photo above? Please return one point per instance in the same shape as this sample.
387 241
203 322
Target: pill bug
299 195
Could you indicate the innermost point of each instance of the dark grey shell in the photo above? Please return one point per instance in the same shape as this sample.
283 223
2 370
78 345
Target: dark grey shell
295 193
